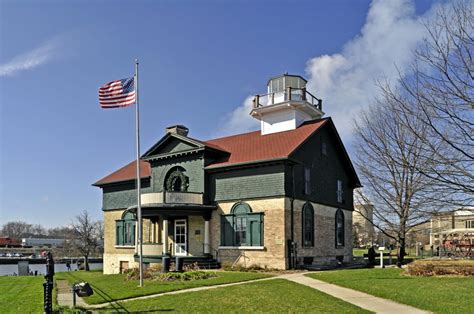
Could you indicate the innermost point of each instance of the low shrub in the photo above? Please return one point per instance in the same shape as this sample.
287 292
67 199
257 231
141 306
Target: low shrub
149 272
185 276
250 268
191 267
441 268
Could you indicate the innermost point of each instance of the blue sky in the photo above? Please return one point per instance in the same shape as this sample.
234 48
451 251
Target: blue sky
199 61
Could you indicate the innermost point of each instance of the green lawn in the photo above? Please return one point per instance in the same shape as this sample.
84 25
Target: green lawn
436 294
272 296
115 287
21 294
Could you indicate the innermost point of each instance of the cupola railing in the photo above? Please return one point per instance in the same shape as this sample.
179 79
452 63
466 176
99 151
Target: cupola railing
289 94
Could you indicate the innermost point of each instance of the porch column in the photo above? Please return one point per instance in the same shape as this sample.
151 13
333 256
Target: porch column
136 237
207 249
165 235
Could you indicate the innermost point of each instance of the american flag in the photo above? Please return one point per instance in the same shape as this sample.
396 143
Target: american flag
118 93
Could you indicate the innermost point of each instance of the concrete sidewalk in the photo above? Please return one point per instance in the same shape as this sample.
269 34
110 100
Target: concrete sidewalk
362 300
64 295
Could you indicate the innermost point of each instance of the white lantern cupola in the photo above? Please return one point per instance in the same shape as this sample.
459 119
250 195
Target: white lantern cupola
286 105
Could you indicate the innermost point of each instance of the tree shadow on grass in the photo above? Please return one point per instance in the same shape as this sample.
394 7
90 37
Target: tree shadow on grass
140 311
106 297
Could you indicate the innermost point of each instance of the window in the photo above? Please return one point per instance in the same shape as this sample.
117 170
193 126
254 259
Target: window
339 228
242 227
324 148
308 225
339 191
176 180
125 229
240 230
469 224
307 181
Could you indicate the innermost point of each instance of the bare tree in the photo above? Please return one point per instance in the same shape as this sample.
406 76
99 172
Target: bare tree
388 160
86 231
439 91
16 229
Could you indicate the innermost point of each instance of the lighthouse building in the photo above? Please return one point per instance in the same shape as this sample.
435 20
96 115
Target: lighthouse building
280 197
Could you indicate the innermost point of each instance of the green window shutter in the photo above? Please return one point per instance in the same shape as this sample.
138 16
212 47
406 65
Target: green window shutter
255 229
134 225
119 227
227 230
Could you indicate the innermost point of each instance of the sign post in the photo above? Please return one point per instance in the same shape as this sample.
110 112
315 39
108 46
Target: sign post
381 249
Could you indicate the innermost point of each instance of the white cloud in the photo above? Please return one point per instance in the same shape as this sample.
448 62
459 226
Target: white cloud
346 81
239 120
30 60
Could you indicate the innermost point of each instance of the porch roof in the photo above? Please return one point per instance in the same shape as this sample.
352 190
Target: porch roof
167 209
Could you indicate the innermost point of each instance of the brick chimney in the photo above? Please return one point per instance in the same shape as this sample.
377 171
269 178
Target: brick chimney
177 129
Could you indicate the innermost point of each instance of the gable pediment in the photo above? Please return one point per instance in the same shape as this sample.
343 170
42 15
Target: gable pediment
172 144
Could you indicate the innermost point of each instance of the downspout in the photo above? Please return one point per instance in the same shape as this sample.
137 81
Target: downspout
292 211
292 200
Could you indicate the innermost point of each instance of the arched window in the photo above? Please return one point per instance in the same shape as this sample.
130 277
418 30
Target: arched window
308 225
242 227
339 228
125 229
176 180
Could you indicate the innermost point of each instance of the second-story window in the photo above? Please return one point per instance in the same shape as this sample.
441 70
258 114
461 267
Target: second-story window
469 224
339 191
307 181
176 180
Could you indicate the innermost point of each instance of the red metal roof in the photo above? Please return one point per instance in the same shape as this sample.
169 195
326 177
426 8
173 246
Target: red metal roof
243 148
128 172
252 147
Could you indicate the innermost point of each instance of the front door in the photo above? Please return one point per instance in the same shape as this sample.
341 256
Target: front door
180 241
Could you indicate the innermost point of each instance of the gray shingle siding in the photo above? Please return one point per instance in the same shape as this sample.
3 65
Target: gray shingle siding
119 196
247 183
193 164
325 171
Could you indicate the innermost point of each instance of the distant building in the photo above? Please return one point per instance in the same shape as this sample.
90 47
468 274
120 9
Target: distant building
274 197
454 222
362 218
42 242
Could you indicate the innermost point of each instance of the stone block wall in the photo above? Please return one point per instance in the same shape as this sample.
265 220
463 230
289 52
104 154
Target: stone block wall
272 254
324 249
113 254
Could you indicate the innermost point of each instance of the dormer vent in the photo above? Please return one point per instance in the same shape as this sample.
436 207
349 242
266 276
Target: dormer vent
177 129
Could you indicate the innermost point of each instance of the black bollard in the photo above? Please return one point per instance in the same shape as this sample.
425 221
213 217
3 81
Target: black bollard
48 284
165 263
179 263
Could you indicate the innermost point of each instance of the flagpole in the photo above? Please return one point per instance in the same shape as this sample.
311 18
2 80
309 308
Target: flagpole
139 201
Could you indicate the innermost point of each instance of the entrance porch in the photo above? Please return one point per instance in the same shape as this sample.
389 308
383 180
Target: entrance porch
176 230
